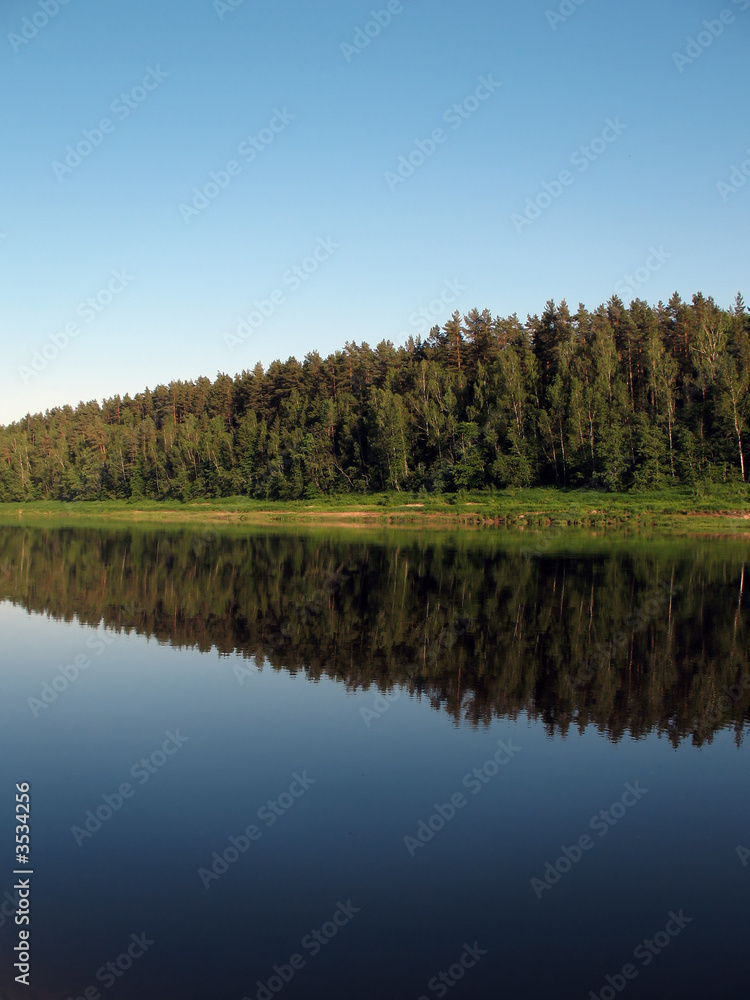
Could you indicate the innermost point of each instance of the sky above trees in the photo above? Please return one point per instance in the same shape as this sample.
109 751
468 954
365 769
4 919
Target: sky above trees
337 172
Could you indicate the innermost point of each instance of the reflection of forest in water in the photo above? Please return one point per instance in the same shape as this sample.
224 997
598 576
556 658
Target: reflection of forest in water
630 639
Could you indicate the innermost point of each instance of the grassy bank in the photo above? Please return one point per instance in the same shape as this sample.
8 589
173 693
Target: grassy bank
719 511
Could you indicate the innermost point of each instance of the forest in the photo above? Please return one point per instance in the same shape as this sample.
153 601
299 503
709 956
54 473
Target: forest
616 399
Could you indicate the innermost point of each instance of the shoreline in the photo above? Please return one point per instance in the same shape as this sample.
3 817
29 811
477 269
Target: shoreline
534 510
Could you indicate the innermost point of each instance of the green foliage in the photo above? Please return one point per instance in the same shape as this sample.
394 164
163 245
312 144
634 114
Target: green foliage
643 397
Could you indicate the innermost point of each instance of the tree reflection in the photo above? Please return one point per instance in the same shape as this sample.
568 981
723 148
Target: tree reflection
633 640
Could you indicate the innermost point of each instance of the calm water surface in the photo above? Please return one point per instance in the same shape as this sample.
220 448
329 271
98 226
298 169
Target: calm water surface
337 766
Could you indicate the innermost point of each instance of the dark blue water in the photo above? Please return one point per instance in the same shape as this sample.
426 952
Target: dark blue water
251 828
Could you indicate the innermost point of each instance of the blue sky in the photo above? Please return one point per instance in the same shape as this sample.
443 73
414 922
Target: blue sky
314 126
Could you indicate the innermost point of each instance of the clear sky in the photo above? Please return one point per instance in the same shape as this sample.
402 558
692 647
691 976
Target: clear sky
305 127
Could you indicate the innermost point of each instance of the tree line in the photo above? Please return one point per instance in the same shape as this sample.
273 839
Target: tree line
639 640
619 398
